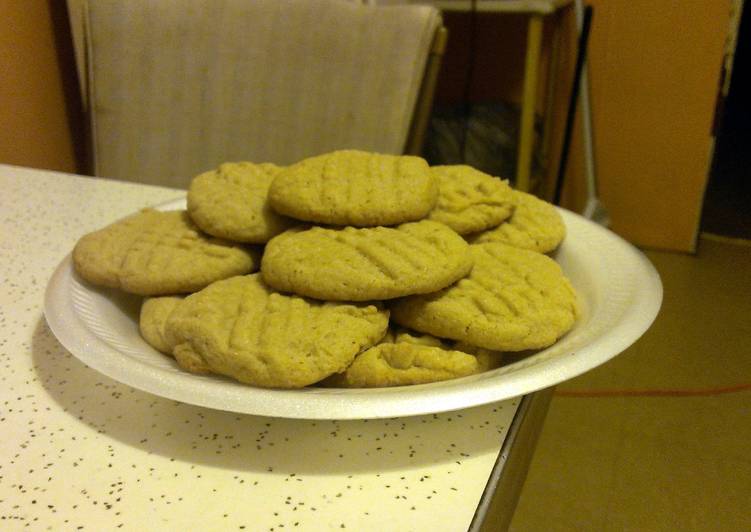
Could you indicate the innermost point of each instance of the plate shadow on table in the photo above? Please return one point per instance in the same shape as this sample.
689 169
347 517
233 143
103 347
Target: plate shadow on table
198 435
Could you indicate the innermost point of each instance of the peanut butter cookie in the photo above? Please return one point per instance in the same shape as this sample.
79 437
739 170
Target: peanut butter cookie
351 264
513 299
535 225
404 358
153 317
240 328
356 188
158 253
231 202
469 200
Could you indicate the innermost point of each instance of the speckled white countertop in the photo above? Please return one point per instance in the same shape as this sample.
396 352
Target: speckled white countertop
80 451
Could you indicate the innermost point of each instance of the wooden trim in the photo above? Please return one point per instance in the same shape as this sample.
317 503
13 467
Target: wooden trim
529 97
424 103
541 7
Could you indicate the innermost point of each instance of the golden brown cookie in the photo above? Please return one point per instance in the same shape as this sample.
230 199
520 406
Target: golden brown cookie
240 328
535 225
153 317
401 364
470 200
356 188
365 264
513 299
404 358
486 358
158 253
231 202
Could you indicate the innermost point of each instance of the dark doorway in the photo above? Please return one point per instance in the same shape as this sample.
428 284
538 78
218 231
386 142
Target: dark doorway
727 202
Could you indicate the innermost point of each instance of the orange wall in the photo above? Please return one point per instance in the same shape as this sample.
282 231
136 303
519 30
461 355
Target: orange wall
654 70
36 130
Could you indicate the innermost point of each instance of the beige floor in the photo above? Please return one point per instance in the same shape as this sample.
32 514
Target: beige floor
649 463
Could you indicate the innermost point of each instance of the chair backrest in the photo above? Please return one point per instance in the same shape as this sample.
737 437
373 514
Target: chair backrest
176 87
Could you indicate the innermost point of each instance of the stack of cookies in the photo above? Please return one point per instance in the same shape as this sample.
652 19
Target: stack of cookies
375 270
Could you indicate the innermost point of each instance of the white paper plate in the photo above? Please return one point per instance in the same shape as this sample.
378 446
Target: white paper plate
619 288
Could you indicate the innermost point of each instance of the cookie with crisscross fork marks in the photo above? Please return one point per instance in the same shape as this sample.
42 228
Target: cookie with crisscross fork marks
239 327
157 253
349 264
470 200
357 188
514 299
231 202
535 224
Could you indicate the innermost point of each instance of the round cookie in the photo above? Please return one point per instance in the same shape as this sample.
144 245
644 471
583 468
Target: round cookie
153 317
240 328
350 264
230 202
357 188
512 300
469 200
535 225
486 358
404 358
158 253
401 364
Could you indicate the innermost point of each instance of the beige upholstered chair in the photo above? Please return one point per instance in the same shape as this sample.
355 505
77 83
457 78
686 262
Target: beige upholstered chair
176 87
